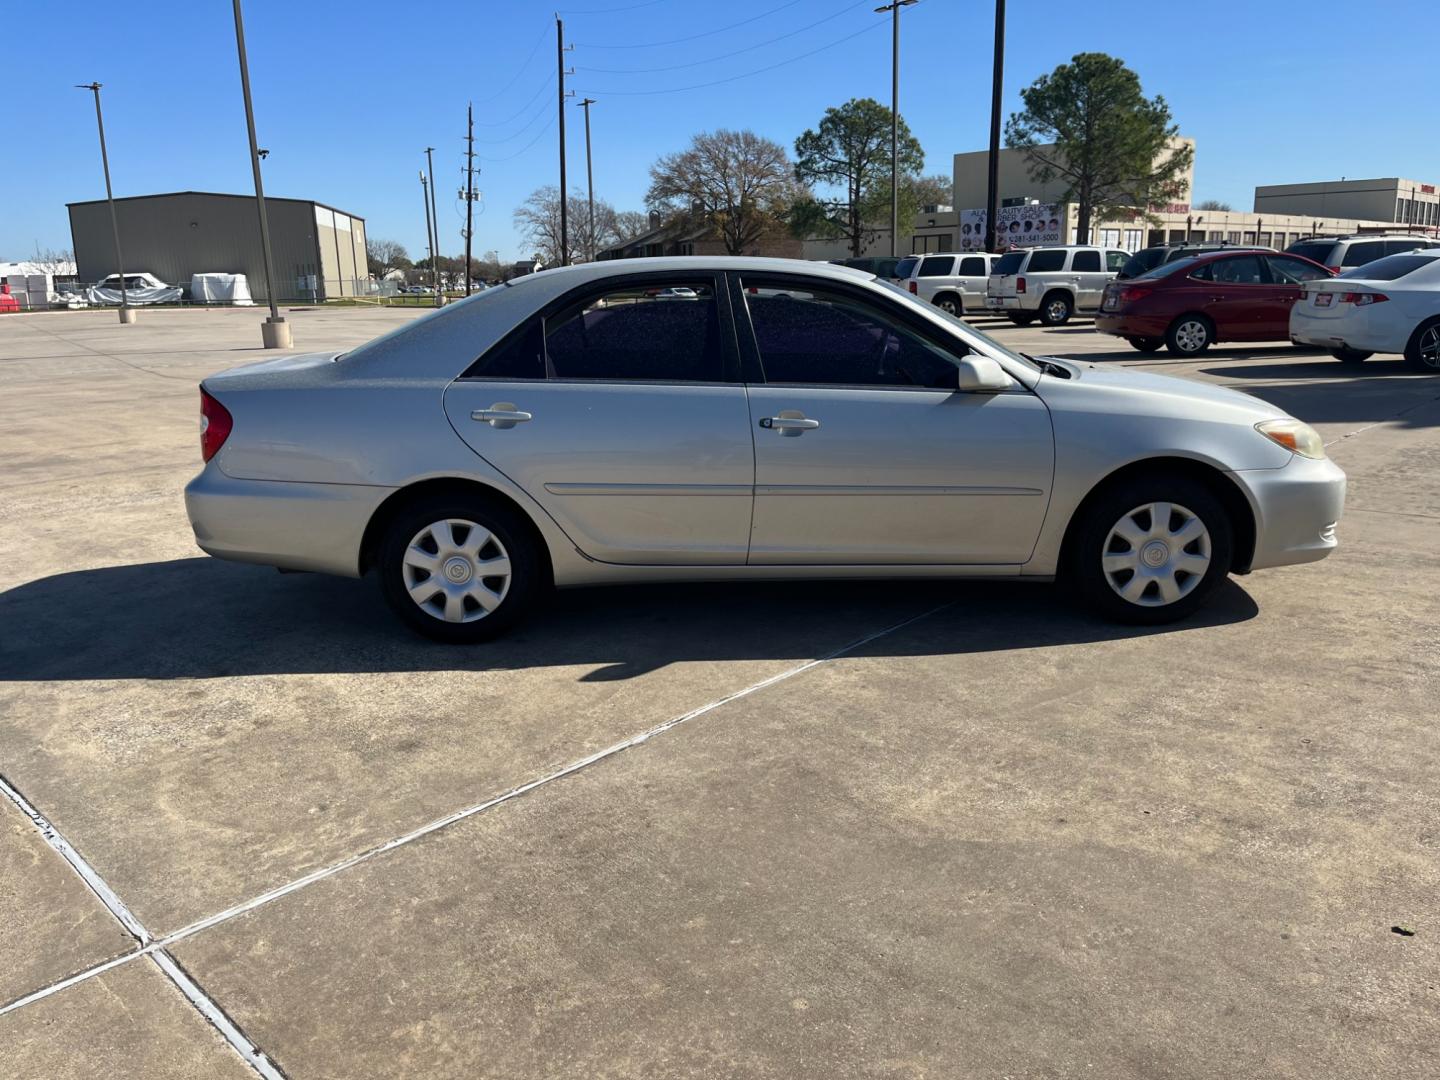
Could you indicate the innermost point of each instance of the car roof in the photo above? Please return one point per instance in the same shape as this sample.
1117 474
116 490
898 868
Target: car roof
595 271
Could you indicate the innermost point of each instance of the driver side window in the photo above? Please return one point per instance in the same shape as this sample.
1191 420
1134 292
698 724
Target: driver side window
813 336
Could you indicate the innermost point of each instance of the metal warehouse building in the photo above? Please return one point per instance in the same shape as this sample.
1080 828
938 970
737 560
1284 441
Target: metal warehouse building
319 251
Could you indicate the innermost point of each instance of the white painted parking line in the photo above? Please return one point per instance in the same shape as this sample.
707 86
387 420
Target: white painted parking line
156 947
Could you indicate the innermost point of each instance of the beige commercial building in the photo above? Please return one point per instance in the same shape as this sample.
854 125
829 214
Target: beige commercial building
318 251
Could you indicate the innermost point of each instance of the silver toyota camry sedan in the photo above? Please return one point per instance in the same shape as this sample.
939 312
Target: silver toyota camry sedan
731 418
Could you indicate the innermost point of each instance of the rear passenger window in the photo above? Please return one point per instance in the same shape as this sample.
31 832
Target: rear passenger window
1043 260
1362 253
972 267
1241 270
1114 260
520 355
937 266
1086 261
1293 271
653 333
1399 247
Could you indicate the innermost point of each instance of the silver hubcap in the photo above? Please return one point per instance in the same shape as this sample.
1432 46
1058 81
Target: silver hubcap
1430 347
1156 554
949 305
1190 336
1056 310
456 570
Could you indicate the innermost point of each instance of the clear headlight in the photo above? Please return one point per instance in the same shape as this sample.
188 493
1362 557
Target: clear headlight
1294 435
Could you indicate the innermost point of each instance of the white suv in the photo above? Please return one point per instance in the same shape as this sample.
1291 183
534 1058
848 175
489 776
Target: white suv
1341 253
952 281
1051 282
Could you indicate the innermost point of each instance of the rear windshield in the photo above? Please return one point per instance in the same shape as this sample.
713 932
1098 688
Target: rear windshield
1184 265
1010 262
905 267
1390 267
1319 253
1141 261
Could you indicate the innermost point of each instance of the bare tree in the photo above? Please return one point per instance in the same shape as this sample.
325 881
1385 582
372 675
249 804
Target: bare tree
631 223
737 182
54 262
385 255
538 219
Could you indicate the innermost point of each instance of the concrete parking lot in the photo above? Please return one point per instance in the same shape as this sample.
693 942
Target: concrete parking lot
876 830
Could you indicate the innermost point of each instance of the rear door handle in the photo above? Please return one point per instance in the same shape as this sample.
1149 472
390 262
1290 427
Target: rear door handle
789 425
503 414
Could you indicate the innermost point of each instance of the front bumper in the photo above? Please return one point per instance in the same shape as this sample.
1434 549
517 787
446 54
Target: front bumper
293 526
1297 509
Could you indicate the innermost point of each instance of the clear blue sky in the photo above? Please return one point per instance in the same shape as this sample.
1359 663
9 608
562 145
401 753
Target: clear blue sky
348 94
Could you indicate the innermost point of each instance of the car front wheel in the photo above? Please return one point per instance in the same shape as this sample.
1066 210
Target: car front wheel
459 570
1151 550
1189 335
1423 351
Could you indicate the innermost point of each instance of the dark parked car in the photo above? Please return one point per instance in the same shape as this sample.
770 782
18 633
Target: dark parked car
883 267
1151 257
1191 303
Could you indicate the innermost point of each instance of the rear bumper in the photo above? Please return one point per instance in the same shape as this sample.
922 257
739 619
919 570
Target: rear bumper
1132 326
1297 509
1010 303
1353 331
293 526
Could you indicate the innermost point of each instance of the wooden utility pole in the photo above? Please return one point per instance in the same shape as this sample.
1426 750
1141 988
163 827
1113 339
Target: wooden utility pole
560 100
469 188
589 179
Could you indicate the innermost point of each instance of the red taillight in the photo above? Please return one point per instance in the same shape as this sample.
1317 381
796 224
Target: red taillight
1019 284
215 425
1130 293
913 288
1333 269
1363 299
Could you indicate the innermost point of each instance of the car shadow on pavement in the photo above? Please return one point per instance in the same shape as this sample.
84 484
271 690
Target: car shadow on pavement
1399 395
202 618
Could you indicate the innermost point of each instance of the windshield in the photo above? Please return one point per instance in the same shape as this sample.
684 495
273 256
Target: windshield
1010 262
1390 267
1314 252
966 329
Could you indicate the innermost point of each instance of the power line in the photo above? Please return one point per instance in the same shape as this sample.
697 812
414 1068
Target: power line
511 157
738 52
736 78
696 37
544 86
518 71
521 129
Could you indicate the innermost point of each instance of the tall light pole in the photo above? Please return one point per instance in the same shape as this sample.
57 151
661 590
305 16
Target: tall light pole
429 236
435 220
274 331
894 9
562 95
127 313
589 178
992 191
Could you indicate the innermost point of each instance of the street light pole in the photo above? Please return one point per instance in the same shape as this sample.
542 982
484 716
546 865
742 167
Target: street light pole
894 9
274 331
429 237
127 313
992 193
435 219
562 95
589 178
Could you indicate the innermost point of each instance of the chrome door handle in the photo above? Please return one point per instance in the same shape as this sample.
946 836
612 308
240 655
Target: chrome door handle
502 414
789 425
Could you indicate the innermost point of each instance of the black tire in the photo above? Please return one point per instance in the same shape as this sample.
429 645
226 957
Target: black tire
951 303
1085 570
1190 335
510 536
1147 344
1056 308
1351 356
1020 318
1422 352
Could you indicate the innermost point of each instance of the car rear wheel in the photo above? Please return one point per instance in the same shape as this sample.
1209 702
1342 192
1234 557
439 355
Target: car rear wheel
1189 335
1423 351
1021 318
950 303
1351 356
1056 309
1151 550
1147 344
459 570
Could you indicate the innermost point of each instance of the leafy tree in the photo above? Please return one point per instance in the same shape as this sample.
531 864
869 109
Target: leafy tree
1089 125
937 190
849 153
1214 204
384 256
737 182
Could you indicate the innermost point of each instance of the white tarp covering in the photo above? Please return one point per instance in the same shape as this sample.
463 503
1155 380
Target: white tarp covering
140 289
221 289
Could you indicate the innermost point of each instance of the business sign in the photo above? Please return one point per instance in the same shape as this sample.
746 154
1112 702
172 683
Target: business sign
1016 226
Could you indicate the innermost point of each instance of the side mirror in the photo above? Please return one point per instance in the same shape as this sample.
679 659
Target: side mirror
981 375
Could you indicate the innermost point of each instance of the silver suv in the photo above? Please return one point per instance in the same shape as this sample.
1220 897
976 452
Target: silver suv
1051 283
952 281
1344 252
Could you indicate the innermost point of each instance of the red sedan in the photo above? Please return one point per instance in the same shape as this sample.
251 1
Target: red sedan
1190 304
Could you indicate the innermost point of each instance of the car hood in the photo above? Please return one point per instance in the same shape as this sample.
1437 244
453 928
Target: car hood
1128 390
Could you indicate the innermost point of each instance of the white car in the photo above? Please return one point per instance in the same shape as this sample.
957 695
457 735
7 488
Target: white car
1051 282
1391 305
952 281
